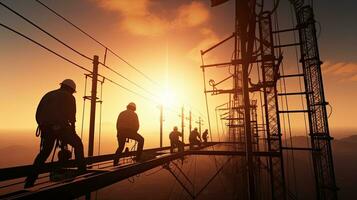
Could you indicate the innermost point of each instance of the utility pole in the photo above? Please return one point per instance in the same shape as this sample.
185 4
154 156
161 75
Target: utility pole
161 124
200 123
93 103
189 118
182 123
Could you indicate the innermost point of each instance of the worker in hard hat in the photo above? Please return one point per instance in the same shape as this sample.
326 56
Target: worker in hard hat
127 128
56 117
195 138
175 140
205 136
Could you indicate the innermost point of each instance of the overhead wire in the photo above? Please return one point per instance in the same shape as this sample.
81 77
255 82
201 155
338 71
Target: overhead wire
44 31
287 107
71 48
132 82
97 41
300 86
72 62
44 47
129 90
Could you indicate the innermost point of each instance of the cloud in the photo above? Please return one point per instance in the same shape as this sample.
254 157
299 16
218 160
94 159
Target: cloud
343 71
192 15
209 39
138 18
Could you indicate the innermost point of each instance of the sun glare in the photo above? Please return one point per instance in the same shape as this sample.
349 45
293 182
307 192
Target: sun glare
168 98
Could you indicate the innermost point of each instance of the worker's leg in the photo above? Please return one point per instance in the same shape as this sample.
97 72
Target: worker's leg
70 137
171 146
121 145
198 142
180 145
140 140
48 142
191 143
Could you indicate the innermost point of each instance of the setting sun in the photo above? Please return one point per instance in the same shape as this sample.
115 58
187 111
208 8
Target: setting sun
168 98
178 99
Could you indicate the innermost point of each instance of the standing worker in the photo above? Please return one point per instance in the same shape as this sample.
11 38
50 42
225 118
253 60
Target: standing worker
56 117
127 127
175 140
205 136
195 138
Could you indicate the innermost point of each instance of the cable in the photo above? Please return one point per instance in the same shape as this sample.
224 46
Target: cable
287 108
329 115
84 105
300 86
101 44
207 109
46 32
43 46
100 115
127 89
132 82
71 48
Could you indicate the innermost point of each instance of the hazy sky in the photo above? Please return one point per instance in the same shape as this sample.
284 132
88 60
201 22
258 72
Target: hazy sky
163 39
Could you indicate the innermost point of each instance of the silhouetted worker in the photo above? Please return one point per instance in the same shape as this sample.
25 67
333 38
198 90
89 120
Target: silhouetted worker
56 117
127 127
175 140
205 136
195 138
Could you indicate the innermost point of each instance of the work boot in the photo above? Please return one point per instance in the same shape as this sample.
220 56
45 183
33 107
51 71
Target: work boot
138 159
116 162
82 169
29 182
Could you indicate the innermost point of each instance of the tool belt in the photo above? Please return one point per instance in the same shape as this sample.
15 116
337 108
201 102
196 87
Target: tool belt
51 129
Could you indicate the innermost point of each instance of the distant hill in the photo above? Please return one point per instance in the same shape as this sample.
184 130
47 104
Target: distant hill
17 155
345 162
350 139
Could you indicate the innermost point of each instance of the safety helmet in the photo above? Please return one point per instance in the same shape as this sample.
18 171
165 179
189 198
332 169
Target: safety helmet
132 106
175 128
70 83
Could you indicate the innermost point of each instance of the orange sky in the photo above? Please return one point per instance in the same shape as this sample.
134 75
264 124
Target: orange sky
161 38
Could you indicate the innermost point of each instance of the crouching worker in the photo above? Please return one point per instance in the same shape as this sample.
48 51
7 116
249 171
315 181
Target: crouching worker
195 138
56 117
205 136
175 140
127 128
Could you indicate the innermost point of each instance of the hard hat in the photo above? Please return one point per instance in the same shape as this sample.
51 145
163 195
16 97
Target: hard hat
131 105
175 128
70 83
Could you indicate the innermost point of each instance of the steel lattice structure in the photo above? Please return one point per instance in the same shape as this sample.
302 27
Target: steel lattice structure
270 70
316 105
255 148
269 60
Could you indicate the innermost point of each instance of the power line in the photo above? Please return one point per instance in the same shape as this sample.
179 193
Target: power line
70 61
127 89
98 42
44 31
71 48
132 82
44 47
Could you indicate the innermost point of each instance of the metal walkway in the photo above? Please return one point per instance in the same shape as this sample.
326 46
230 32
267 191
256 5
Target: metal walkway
95 179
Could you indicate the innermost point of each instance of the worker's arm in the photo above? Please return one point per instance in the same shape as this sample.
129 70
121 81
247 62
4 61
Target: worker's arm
39 112
72 110
136 122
